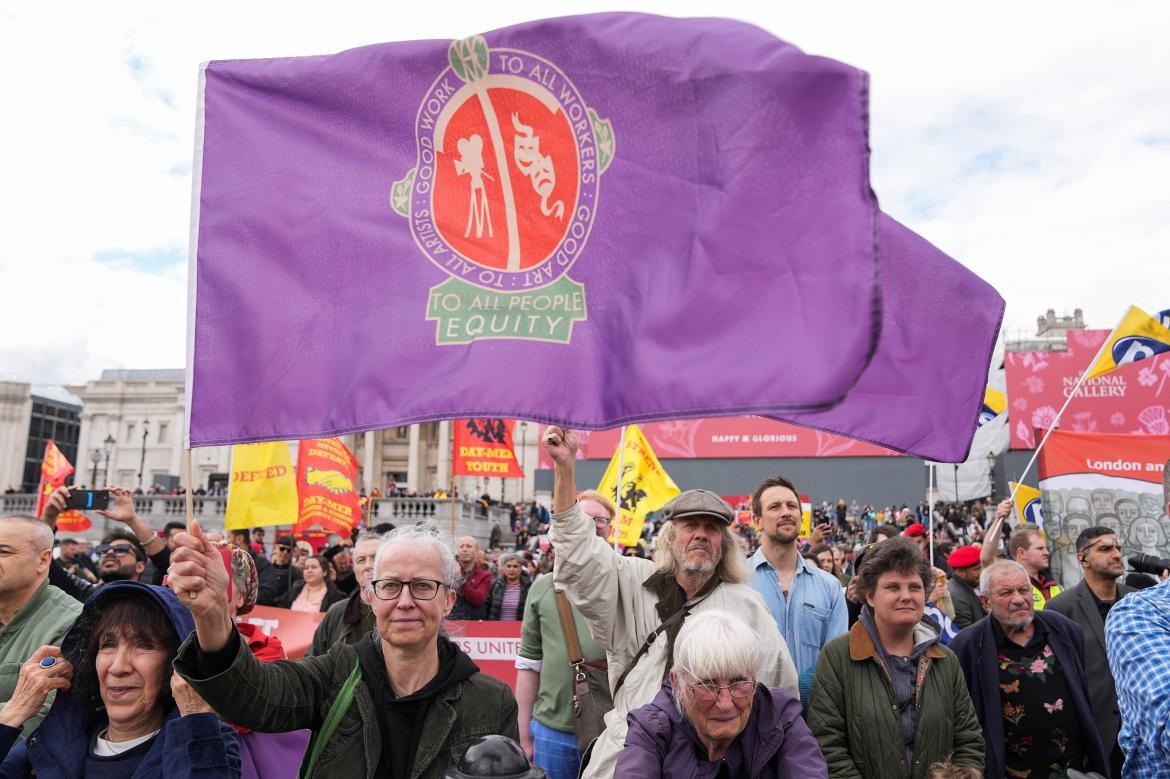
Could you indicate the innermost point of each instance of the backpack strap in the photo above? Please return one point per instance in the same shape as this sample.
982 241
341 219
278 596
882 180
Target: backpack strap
677 616
332 720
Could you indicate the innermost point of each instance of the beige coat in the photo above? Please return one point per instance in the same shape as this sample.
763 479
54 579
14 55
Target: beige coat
607 589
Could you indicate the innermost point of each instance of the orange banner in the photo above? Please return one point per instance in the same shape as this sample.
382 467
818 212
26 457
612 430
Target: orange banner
483 447
327 474
55 469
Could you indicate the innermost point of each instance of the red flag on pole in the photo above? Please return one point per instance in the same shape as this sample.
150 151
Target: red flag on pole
55 469
327 474
483 447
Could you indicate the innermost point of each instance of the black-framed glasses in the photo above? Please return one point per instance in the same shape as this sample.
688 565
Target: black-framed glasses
708 692
420 589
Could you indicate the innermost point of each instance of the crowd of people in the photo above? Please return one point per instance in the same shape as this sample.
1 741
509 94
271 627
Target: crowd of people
712 648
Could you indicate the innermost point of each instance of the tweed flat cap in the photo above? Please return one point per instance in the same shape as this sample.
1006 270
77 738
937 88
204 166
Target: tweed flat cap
694 503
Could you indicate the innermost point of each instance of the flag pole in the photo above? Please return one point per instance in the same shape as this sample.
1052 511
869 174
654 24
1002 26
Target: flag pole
1059 414
617 523
930 507
189 501
452 484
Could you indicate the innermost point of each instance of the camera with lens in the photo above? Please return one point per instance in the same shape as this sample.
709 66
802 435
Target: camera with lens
1148 563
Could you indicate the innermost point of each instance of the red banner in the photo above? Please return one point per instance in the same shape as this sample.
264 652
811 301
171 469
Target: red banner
728 437
491 645
1130 400
327 473
55 469
294 628
483 447
1089 479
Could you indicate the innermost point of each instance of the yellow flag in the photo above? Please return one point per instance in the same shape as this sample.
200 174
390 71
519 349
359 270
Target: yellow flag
1137 337
263 488
1028 504
646 486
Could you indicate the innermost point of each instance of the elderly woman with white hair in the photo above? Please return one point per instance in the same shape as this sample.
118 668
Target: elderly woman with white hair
712 718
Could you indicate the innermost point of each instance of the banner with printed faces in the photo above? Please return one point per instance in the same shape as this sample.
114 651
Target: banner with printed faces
1089 479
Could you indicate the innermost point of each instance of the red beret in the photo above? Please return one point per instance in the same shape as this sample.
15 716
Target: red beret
915 530
964 556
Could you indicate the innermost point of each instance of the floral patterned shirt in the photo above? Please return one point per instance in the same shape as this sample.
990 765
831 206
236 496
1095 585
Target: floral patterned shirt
1040 728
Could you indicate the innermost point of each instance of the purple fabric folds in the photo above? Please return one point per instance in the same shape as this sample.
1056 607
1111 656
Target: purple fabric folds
922 392
590 221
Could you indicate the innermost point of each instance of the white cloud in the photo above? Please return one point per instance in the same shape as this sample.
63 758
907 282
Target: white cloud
1031 141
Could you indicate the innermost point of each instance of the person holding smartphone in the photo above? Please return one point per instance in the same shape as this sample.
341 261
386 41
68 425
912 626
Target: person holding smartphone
146 544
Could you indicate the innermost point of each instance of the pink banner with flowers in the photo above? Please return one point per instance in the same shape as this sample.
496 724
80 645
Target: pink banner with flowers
1134 399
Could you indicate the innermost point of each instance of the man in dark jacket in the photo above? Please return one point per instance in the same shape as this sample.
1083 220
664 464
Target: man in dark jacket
284 573
1088 604
965 570
348 620
1025 671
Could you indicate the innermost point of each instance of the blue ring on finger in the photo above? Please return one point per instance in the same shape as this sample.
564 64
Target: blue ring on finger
48 662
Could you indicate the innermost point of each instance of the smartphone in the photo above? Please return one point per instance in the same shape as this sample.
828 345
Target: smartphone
87 500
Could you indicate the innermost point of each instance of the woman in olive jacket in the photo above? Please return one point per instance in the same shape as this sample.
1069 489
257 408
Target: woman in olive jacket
419 701
888 700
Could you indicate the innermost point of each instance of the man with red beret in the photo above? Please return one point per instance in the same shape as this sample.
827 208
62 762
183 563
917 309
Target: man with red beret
965 570
916 532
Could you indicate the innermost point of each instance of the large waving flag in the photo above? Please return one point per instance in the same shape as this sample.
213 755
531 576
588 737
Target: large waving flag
1137 337
935 313
645 484
577 199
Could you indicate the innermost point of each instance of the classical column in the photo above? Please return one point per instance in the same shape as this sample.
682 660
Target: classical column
415 461
443 459
370 476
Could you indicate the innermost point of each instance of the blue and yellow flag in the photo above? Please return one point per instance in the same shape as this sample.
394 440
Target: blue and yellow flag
1028 504
994 402
1137 337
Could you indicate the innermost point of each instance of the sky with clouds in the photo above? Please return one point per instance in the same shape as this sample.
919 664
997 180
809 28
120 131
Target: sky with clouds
1029 140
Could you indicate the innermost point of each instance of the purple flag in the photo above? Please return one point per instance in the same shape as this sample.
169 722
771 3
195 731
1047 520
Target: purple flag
590 221
923 390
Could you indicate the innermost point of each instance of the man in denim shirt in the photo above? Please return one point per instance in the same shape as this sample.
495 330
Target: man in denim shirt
806 602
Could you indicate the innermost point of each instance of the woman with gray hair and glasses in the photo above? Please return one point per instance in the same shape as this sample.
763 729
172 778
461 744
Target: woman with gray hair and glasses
713 719
402 702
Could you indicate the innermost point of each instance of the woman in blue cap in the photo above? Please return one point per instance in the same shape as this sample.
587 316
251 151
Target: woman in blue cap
119 711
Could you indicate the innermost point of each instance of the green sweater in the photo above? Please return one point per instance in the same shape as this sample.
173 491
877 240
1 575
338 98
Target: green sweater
542 647
45 619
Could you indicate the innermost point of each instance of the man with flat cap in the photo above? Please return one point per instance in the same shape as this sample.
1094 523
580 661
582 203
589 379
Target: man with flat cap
636 607
965 569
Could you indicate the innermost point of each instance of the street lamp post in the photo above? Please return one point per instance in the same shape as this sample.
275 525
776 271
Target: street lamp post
142 462
109 446
95 457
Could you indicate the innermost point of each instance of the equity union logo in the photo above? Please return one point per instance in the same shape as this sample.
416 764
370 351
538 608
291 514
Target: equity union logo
504 194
